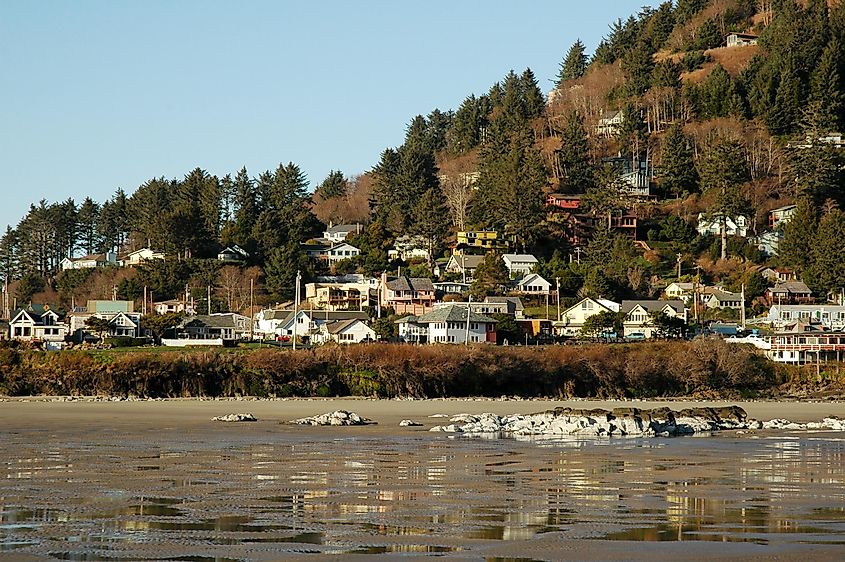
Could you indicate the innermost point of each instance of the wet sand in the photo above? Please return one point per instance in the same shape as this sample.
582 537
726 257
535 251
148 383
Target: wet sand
160 480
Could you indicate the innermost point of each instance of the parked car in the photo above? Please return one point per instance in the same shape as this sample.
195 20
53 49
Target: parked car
635 336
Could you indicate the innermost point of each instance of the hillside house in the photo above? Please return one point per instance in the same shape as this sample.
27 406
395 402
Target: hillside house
712 225
407 295
338 296
714 298
533 284
768 242
37 322
781 216
136 258
409 248
573 318
484 239
610 122
741 39
89 262
519 265
464 265
233 254
338 233
831 317
443 288
514 305
680 291
789 292
449 324
577 229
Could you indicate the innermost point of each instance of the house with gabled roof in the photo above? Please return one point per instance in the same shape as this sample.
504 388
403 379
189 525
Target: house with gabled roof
204 329
233 254
638 315
339 232
463 264
448 324
533 284
121 316
138 257
573 318
351 330
90 261
789 292
37 322
407 295
519 264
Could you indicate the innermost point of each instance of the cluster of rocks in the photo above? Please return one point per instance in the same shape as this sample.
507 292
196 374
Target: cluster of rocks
622 422
409 423
235 418
338 417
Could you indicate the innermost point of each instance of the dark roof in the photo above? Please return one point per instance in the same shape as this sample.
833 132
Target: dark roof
213 321
453 313
469 261
36 311
651 305
798 287
514 302
410 284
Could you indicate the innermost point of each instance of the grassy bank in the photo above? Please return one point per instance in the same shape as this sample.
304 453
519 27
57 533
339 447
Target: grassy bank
702 367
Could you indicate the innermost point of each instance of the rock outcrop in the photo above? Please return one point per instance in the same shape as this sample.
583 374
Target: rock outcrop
235 418
338 417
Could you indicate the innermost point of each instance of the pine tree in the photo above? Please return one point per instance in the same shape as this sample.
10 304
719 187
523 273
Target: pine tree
796 248
782 118
428 221
638 64
574 65
533 101
678 175
88 217
724 169
281 267
574 156
335 185
9 266
246 211
826 88
826 270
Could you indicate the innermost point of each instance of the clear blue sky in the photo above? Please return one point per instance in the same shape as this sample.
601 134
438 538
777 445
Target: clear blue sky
98 95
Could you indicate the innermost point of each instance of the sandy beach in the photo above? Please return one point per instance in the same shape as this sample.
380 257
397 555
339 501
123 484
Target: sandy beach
158 480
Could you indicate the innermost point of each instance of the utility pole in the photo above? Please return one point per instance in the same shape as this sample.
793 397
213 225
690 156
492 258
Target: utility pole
469 311
296 307
208 287
695 291
679 265
578 254
742 310
251 311
557 287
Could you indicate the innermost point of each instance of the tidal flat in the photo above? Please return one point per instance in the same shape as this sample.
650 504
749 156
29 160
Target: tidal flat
158 480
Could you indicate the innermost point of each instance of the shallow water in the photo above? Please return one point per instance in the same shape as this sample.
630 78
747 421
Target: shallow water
238 494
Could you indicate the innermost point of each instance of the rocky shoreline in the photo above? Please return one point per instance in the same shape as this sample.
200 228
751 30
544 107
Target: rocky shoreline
658 422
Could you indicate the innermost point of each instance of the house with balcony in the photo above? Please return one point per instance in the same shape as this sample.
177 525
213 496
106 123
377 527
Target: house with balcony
639 315
573 318
519 265
454 323
338 296
712 225
789 292
407 295
122 319
484 239
829 316
741 39
533 284
781 216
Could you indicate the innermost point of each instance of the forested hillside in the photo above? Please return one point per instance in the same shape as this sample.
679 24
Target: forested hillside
724 131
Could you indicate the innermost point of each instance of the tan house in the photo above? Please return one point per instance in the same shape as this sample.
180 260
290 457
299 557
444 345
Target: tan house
638 315
573 318
138 257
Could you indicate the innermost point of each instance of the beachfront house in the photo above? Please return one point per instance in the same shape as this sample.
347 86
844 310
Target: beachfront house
122 319
349 331
37 322
573 318
454 323
639 315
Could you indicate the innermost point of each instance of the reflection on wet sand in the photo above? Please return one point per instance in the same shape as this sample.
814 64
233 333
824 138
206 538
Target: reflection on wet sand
294 493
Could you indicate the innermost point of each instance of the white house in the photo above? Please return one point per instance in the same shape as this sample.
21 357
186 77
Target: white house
534 284
609 122
309 322
37 322
719 298
353 330
829 316
638 315
768 242
233 254
268 322
341 251
573 318
89 262
712 226
339 232
174 305
519 264
680 291
448 324
782 215
140 256
741 39
408 247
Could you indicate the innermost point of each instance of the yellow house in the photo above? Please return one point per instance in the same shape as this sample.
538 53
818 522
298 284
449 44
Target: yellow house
487 239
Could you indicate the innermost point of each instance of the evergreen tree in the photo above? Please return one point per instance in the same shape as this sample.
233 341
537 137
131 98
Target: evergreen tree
281 268
783 116
826 271
799 235
113 226
469 122
9 266
491 276
708 36
30 283
335 185
438 125
678 175
88 217
574 156
632 135
286 216
428 222
246 211
723 170
574 65
533 101
638 64
826 88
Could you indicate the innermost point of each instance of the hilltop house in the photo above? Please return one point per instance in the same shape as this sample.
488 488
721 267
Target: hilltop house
138 257
454 323
37 322
90 261
234 254
573 318
741 40
339 233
